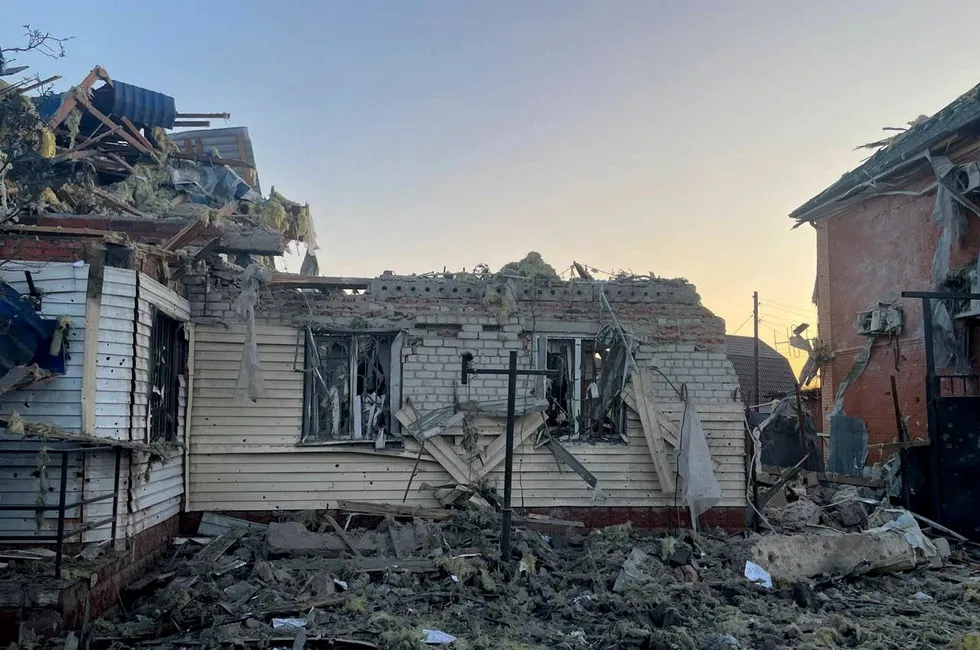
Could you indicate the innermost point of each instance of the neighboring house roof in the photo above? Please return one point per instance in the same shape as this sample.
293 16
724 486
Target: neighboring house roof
232 143
775 374
907 147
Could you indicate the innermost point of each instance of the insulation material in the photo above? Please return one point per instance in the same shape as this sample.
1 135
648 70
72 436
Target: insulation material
250 386
696 467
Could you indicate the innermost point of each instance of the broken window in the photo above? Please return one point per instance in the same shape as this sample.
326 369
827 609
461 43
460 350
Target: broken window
168 366
585 399
349 387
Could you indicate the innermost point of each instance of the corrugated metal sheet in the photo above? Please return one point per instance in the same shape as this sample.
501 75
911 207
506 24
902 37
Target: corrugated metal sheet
143 106
232 143
232 466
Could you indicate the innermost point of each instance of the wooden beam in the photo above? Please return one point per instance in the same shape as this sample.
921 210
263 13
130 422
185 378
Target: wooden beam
667 426
71 100
88 142
111 200
97 114
318 281
649 417
388 510
187 234
90 355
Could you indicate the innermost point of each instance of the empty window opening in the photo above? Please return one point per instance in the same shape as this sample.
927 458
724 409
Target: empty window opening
585 399
348 387
168 366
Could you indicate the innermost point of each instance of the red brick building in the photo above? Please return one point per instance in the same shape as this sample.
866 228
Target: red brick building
877 237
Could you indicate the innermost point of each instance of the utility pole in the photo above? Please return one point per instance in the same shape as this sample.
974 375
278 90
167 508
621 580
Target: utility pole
755 318
512 374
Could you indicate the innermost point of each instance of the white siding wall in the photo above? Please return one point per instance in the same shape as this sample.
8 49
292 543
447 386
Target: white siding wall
155 494
244 456
122 370
57 401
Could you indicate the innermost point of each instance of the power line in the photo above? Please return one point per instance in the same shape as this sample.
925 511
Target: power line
785 307
742 325
791 321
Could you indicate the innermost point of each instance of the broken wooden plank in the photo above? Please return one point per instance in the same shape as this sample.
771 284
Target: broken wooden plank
113 201
133 131
438 448
566 457
213 551
187 234
71 99
389 510
343 535
540 521
215 525
97 114
649 418
86 143
294 280
667 426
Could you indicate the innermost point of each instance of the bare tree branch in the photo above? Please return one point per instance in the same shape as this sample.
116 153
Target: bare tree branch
42 42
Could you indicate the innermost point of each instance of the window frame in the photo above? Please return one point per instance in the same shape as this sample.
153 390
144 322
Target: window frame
174 362
395 343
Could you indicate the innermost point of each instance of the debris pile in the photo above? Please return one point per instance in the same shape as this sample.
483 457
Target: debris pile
400 582
102 148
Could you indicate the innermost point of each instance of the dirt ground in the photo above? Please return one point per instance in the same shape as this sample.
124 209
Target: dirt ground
564 590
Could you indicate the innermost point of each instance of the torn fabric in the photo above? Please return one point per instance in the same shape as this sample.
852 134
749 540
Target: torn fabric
250 386
696 467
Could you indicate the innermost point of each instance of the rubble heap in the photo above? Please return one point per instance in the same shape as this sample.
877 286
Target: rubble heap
439 577
105 150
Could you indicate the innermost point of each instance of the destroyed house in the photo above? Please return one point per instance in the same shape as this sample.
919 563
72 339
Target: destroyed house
903 221
350 389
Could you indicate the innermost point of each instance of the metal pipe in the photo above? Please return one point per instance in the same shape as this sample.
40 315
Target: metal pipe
115 495
506 512
62 497
903 436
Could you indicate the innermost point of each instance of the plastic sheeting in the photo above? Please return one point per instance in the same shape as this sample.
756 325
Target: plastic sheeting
205 184
250 386
696 467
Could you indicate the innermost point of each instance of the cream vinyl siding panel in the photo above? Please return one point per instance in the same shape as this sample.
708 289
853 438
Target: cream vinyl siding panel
245 456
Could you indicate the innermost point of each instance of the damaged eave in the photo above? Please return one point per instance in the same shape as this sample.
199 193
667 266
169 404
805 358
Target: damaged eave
942 134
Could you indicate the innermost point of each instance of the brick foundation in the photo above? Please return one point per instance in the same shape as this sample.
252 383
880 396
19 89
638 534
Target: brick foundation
46 606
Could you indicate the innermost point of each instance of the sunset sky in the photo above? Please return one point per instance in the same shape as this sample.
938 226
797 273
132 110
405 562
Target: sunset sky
671 137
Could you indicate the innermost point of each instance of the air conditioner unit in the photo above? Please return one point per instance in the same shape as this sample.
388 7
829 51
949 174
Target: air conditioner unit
885 319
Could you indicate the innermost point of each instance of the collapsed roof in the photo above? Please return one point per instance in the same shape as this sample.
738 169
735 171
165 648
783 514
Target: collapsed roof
102 149
899 157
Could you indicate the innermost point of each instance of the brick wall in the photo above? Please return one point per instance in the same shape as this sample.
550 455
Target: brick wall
869 254
31 248
444 318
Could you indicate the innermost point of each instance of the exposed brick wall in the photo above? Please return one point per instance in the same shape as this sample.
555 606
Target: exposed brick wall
867 255
444 318
31 248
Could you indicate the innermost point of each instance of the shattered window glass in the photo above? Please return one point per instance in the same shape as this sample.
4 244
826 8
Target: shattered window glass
585 399
168 366
347 387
